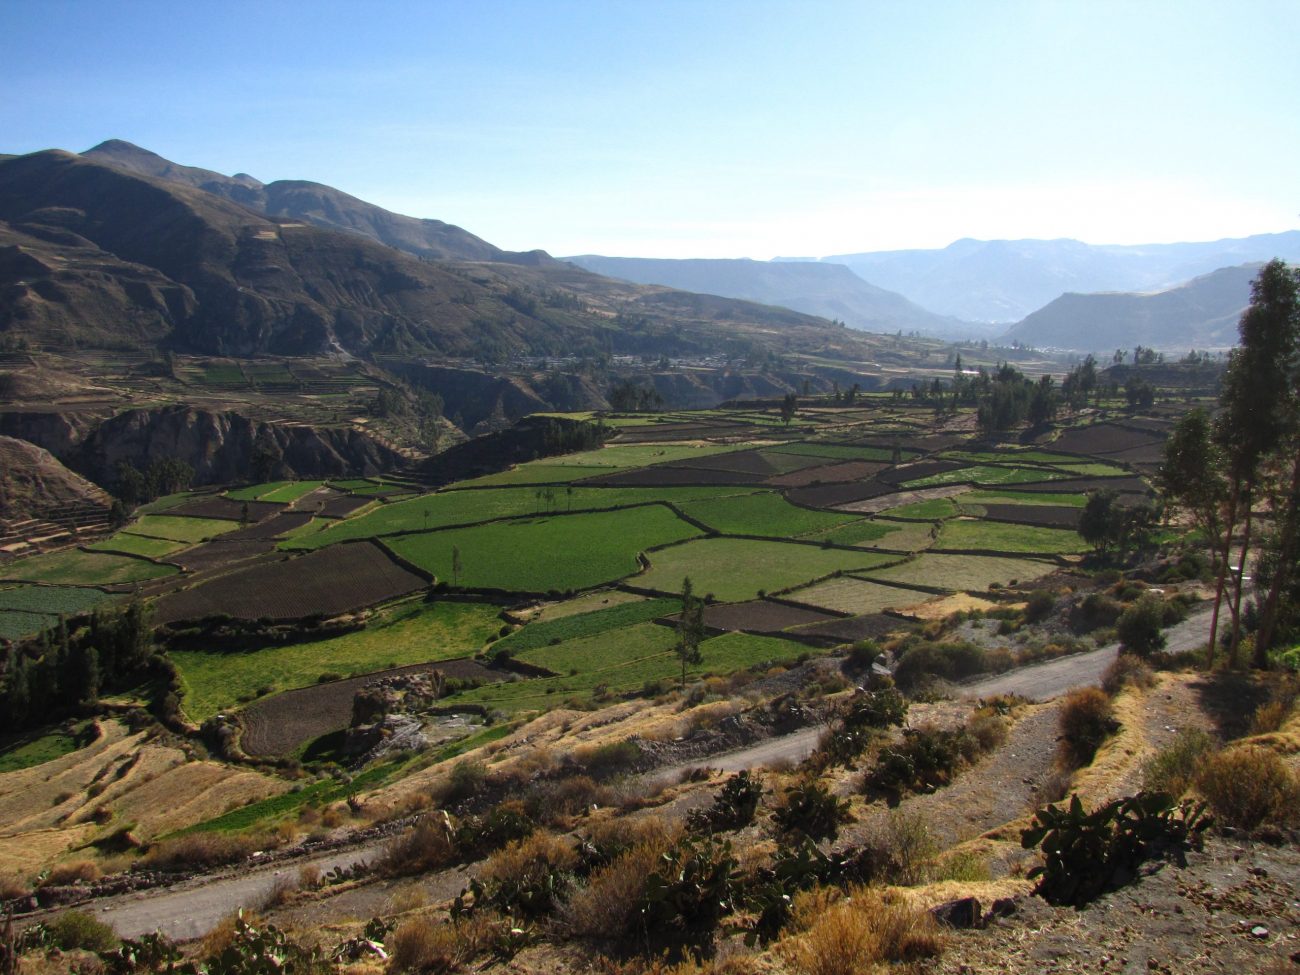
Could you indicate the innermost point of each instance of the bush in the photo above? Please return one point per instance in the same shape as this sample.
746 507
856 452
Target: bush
811 809
77 929
611 758
1172 769
69 873
427 846
1138 627
1039 605
1095 611
733 807
1087 719
199 851
528 876
924 760
609 904
464 781
695 886
552 802
923 662
866 929
1248 787
1127 670
910 846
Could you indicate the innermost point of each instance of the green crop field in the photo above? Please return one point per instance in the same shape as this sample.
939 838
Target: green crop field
18 623
544 633
934 509
734 569
179 528
541 554
223 375
534 473
153 548
1011 456
284 492
640 455
29 751
50 600
1022 497
1003 537
1094 469
982 474
167 502
864 533
974 573
587 654
762 514
73 568
411 633
446 508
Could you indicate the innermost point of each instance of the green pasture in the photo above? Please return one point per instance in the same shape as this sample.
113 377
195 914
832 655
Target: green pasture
546 553
28 751
935 509
589 654
999 536
446 508
537 472
624 456
734 569
50 600
1094 469
76 568
411 633
179 528
1021 497
151 548
546 632
767 513
974 573
987 474
1011 456
18 623
863 532
167 502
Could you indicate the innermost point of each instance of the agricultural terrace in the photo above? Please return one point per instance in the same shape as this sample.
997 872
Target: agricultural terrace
409 633
178 528
77 568
969 533
30 609
737 568
542 554
128 544
973 573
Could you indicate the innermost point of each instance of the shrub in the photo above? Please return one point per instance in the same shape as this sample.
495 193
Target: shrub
1127 670
1087 853
1273 713
923 662
464 781
1174 767
883 708
611 758
552 802
924 760
1138 627
528 876
608 905
734 805
1086 720
1039 605
68 873
77 929
865 929
428 845
421 945
682 902
1248 787
480 834
811 809
1096 610
199 851
910 845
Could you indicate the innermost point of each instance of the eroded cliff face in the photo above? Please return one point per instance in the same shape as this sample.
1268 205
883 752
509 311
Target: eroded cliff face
32 481
226 447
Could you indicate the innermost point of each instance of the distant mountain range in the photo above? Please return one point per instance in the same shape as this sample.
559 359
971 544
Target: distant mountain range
1201 314
827 290
1005 280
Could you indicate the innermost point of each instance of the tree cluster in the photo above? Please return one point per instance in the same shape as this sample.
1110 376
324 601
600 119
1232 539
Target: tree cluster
163 475
1237 476
1109 526
630 397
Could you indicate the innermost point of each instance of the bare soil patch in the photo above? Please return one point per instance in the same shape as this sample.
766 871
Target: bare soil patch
761 616
1102 438
839 495
227 509
214 554
870 626
326 582
344 506
280 723
1046 515
744 461
913 472
1121 485
272 527
853 470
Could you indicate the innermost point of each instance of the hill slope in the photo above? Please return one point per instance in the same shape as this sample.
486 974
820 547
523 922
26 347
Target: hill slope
1201 313
1005 280
828 290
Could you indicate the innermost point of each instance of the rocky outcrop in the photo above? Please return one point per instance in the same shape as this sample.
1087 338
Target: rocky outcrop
32 482
221 446
58 431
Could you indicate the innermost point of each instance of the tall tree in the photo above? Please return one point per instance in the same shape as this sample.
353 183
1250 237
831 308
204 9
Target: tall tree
690 628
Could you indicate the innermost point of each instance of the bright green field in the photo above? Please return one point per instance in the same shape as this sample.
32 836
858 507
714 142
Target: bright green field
26 752
1003 537
408 634
535 473
1094 469
1021 497
179 528
542 634
50 600
471 507
622 663
73 568
167 502
586 654
289 493
153 548
735 569
762 514
935 509
982 474
541 554
965 572
863 532
1012 456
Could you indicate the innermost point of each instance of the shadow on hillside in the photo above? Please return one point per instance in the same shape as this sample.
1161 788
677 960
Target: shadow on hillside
1230 701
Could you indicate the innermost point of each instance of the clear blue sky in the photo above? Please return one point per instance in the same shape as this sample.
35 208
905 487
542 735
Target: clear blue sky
700 129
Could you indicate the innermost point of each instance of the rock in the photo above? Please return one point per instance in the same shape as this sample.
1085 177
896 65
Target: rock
1259 931
1004 907
963 913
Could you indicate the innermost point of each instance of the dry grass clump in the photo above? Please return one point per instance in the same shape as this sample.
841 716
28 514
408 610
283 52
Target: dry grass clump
539 853
1127 670
69 873
553 801
426 846
12 887
1087 719
1273 713
200 851
866 928
989 730
1174 767
606 906
424 945
1249 787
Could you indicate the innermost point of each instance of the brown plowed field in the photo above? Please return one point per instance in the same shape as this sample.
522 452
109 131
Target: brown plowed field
326 582
761 616
744 461
853 470
829 495
1048 515
674 477
930 444
227 509
914 472
666 433
1123 485
270 528
344 506
279 724
1102 438
221 552
872 626
1151 453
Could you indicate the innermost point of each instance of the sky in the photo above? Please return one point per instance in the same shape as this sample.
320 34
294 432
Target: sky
708 128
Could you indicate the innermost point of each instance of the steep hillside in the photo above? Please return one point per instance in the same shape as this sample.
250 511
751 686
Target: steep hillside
1005 280
828 290
32 481
1200 314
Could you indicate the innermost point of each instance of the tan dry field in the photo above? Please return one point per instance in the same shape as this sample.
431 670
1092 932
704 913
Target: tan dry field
857 596
120 779
937 609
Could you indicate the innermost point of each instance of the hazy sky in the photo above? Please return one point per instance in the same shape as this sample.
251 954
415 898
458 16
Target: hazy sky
700 129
